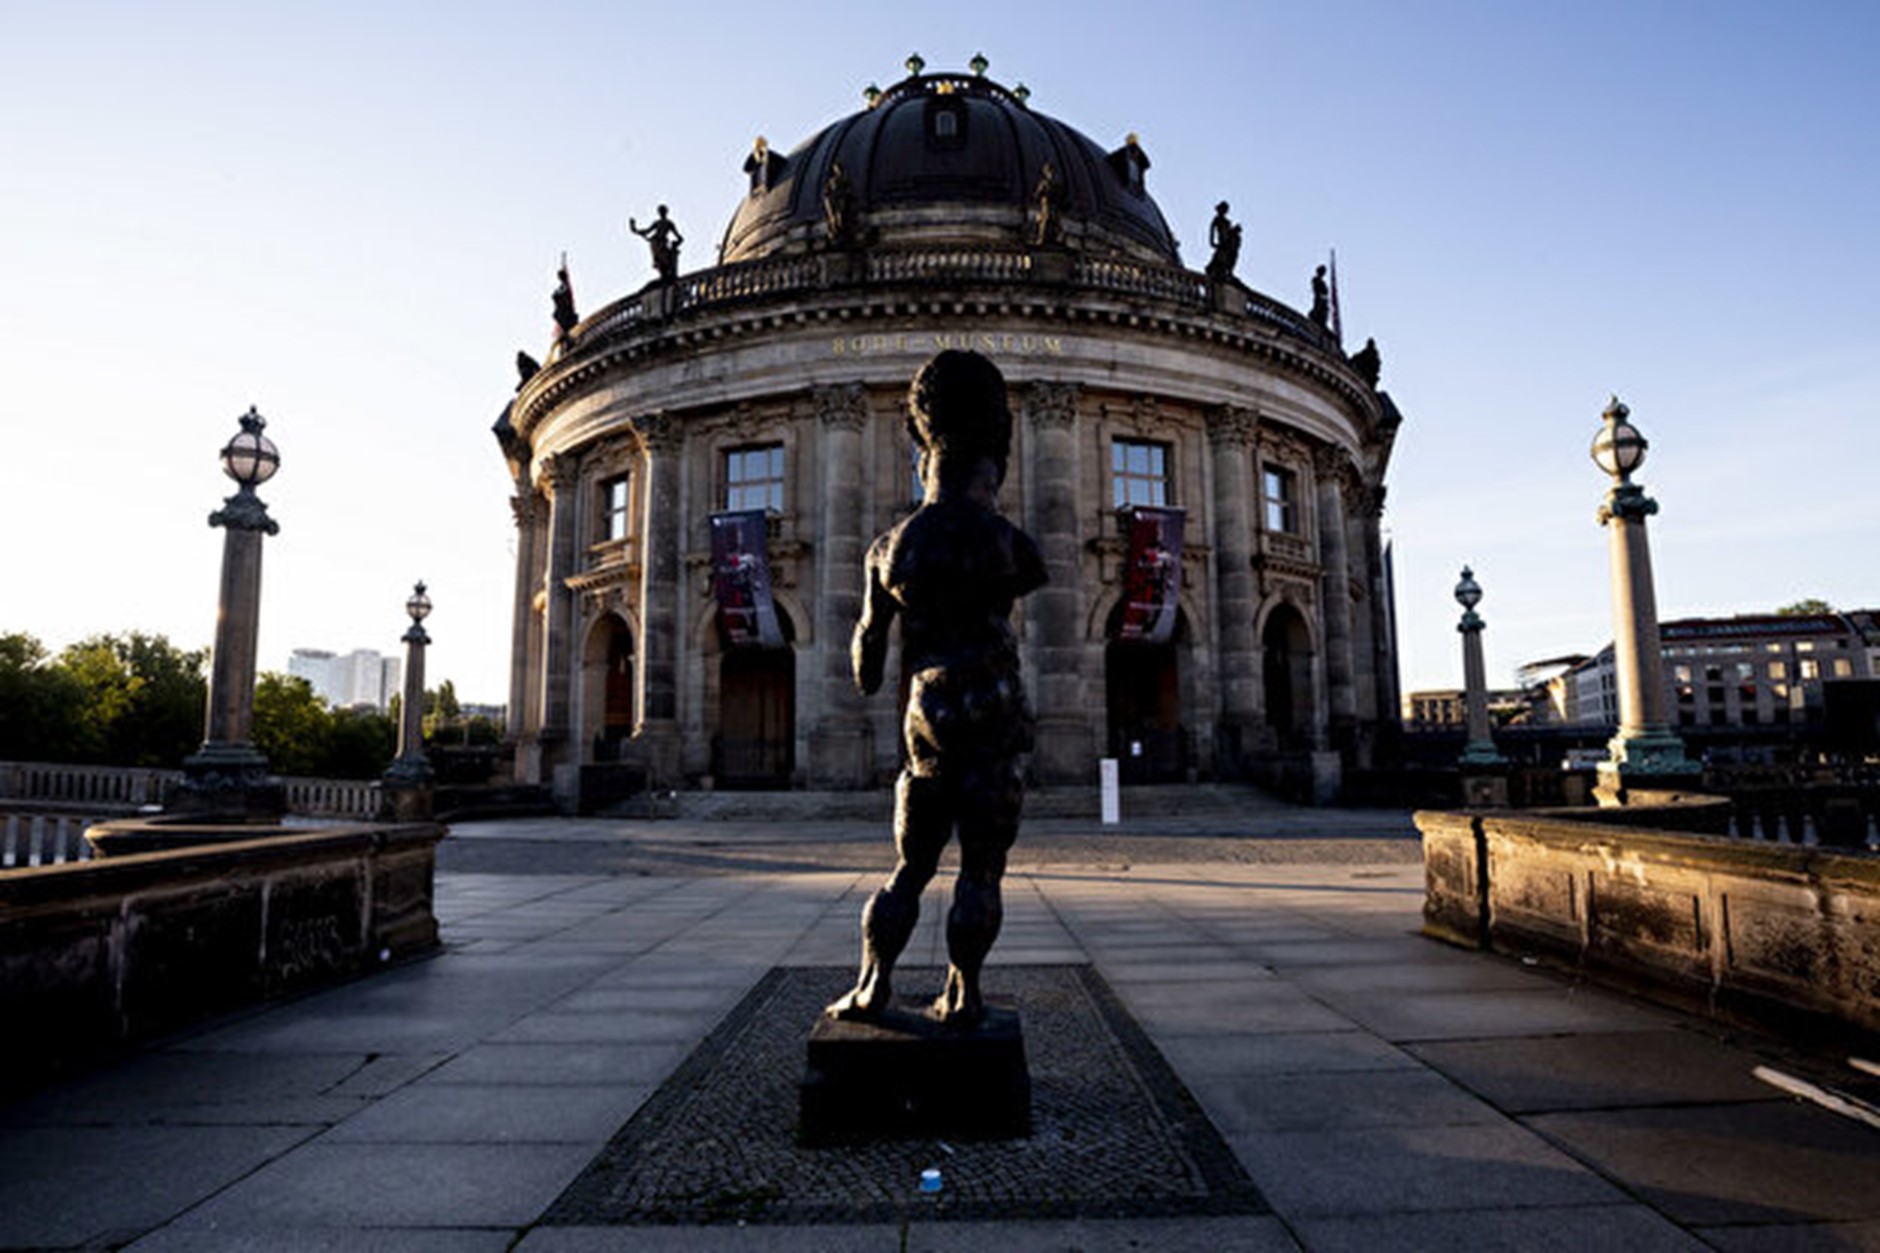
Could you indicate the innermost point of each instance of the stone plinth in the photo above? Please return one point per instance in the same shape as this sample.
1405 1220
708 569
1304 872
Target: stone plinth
911 1076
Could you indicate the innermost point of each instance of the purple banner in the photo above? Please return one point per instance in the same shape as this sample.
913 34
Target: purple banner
1152 581
741 580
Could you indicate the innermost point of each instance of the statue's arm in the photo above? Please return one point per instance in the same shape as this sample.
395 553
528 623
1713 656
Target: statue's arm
868 652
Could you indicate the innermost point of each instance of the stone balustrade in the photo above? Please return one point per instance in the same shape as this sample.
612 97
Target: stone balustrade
1776 933
29 789
100 953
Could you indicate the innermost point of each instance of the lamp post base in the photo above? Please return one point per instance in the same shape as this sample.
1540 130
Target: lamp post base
1648 762
227 784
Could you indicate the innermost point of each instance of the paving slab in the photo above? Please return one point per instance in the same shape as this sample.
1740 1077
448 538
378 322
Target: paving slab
1339 1100
453 1113
1861 1237
68 1186
345 1240
1281 1053
1773 1162
1404 1169
1547 1229
395 1185
1599 1070
1405 1017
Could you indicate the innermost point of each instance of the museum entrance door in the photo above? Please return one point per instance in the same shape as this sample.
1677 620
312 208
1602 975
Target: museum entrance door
1287 670
1142 692
607 675
756 742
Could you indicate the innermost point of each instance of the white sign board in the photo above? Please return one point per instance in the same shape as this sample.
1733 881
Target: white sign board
1107 781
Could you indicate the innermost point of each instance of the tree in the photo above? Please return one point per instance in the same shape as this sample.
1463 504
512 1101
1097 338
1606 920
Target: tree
141 701
40 704
442 711
293 728
362 744
1805 608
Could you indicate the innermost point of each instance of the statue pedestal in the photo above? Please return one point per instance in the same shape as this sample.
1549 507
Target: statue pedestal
911 1076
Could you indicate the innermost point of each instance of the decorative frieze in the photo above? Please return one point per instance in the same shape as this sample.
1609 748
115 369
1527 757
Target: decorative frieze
843 406
1231 426
1051 406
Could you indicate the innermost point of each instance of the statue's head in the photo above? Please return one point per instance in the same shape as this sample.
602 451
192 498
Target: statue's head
1221 207
957 411
662 211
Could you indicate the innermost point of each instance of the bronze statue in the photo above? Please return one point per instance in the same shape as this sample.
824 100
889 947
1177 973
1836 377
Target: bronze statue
838 202
563 297
1366 362
951 571
1321 298
527 367
1224 238
1045 206
664 237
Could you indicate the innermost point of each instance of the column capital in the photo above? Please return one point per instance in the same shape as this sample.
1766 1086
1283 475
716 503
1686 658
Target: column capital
560 470
1231 426
842 406
1051 405
660 432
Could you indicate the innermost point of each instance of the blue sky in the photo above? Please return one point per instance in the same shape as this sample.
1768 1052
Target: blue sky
349 215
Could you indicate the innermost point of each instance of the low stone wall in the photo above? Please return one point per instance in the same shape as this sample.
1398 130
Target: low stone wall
96 954
1775 933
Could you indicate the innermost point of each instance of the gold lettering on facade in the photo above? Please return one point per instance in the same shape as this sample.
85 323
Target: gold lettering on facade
992 343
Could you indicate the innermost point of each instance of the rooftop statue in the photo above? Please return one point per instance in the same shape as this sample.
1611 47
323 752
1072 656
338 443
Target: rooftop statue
1368 364
1224 238
950 571
563 297
1045 206
838 199
664 238
1321 298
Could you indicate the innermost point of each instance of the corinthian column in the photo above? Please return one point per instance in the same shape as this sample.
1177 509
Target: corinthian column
1230 433
1334 561
524 643
841 745
658 672
562 473
1065 751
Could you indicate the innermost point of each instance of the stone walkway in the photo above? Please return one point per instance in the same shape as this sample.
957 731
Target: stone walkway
1382 1091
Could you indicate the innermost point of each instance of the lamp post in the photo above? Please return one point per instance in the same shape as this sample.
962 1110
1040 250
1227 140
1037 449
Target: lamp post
407 789
1646 754
228 777
1480 750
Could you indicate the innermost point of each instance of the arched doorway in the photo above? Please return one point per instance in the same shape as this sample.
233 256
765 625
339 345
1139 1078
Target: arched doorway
755 747
1287 670
607 687
1143 706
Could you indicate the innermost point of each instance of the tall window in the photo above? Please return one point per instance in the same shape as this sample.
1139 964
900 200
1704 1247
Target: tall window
754 478
1279 489
1138 473
615 495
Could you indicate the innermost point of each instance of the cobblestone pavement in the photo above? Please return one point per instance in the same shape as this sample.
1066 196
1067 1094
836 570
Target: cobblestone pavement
1379 1090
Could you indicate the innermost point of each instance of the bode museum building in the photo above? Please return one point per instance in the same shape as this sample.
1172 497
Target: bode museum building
701 465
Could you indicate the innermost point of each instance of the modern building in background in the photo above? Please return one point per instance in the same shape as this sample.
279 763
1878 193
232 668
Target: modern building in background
1753 670
361 679
700 466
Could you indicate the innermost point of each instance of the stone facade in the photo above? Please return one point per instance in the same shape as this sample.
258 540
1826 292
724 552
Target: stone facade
779 378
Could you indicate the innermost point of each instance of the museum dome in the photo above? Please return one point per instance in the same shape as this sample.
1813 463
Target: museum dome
942 160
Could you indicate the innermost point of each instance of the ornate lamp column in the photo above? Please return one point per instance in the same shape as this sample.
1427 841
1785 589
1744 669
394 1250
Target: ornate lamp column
228 777
1480 750
1646 754
407 789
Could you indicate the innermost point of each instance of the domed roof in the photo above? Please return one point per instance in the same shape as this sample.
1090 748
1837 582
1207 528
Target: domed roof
949 158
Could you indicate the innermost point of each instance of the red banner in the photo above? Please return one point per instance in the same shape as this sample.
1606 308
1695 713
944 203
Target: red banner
747 616
1152 581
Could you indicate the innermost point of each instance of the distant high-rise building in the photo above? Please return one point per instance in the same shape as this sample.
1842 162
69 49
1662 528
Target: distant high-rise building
361 679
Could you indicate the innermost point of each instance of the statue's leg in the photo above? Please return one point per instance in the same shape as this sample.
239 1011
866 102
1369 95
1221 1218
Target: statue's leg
988 825
922 822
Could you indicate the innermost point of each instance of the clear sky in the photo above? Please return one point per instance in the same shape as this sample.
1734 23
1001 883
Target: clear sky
349 215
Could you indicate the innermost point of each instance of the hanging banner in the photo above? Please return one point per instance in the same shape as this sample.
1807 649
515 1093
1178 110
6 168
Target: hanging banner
741 580
1152 582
